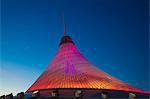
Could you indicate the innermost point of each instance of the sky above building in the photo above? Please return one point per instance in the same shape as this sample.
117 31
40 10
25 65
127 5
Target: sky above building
112 34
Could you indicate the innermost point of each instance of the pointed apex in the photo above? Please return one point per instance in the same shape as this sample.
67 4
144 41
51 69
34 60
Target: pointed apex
65 29
66 39
64 24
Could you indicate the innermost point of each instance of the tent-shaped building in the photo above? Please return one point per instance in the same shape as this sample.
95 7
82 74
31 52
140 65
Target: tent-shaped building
69 69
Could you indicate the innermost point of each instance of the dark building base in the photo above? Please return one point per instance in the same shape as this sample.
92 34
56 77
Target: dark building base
87 94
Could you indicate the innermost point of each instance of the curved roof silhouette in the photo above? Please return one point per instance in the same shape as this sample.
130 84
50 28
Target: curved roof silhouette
70 69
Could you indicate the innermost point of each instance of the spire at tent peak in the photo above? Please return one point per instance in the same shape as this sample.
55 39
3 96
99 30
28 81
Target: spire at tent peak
65 29
65 39
65 26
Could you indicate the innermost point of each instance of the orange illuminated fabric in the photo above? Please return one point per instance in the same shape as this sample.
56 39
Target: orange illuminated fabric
70 69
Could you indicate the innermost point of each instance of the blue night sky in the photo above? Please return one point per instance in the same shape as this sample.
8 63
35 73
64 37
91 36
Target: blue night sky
112 34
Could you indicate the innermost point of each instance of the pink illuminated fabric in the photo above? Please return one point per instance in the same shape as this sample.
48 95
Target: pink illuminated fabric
70 69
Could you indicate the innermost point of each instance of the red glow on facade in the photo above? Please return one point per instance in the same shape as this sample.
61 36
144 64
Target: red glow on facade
70 69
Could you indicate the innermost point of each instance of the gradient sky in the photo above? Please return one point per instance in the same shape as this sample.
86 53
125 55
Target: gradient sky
112 34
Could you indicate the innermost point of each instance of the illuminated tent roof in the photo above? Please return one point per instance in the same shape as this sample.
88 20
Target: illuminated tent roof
70 69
